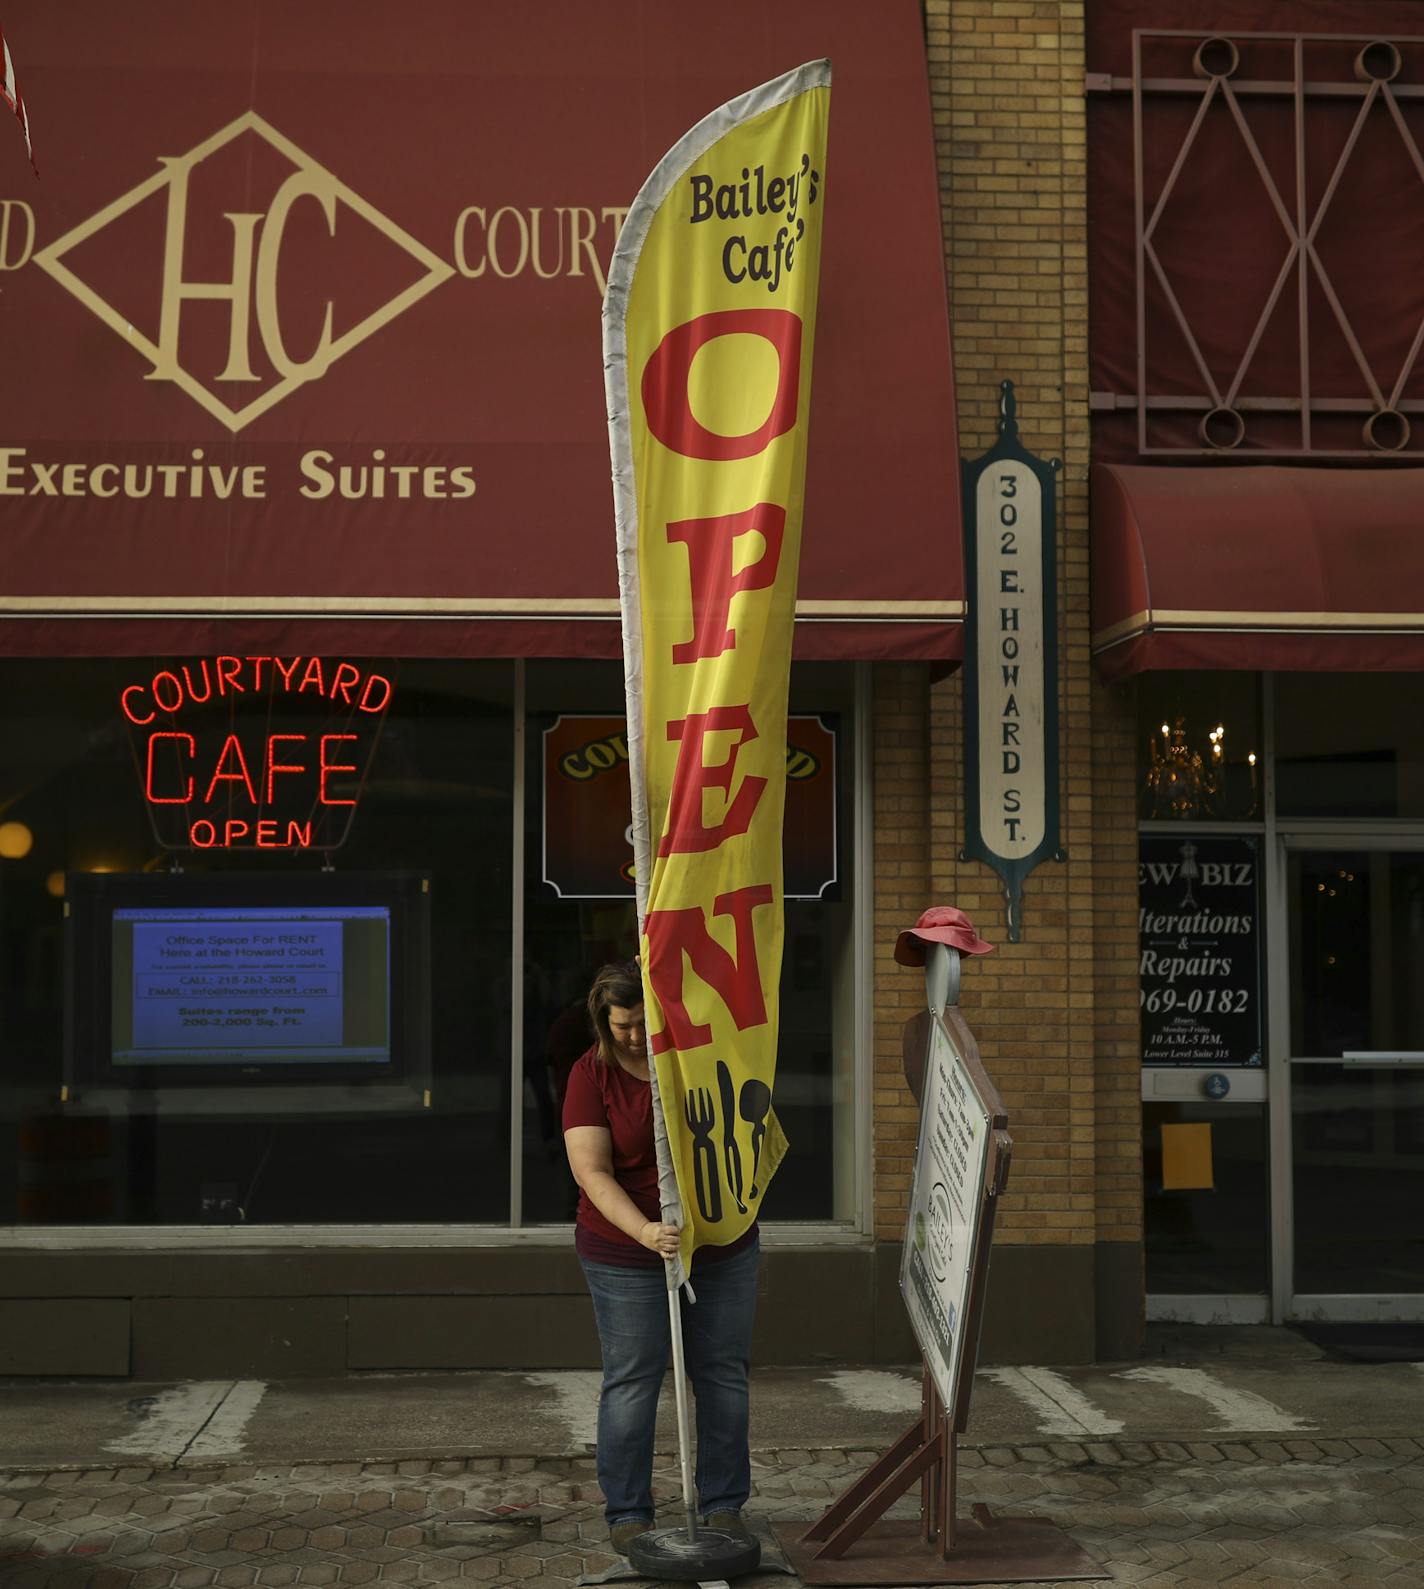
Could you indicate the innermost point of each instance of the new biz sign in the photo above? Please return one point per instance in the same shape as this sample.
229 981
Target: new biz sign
1199 967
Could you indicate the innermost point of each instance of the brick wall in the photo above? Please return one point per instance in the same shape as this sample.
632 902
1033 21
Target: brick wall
903 840
1118 1029
1056 1014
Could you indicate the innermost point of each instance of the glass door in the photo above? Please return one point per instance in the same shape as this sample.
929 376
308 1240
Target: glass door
1354 1170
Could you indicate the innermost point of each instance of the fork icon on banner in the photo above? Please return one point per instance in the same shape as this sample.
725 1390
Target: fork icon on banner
701 1117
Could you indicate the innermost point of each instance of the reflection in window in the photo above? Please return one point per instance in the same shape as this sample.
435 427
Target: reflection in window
1357 951
1199 747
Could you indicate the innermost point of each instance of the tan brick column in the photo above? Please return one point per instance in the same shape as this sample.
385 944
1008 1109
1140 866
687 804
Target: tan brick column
1056 1014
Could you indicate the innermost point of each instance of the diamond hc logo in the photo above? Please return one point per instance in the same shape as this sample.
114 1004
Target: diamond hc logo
248 294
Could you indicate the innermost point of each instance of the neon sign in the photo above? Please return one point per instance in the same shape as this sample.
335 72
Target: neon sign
255 753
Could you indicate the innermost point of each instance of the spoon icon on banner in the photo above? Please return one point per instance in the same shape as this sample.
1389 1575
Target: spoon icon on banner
755 1106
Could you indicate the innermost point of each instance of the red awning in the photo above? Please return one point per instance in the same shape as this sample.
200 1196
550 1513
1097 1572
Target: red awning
302 343
1257 567
917 631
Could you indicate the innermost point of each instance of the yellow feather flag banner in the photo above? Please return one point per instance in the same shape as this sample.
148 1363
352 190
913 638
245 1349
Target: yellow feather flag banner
708 326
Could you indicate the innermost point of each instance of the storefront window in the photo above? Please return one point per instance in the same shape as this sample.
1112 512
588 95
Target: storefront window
1343 749
1348 744
1199 747
250 1124
290 937
579 911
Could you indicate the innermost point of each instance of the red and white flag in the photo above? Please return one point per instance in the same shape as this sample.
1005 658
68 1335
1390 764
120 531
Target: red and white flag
10 93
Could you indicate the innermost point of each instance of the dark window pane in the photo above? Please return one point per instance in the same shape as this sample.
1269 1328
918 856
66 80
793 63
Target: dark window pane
1357 989
1207 1239
1357 951
1358 1142
438 800
1348 745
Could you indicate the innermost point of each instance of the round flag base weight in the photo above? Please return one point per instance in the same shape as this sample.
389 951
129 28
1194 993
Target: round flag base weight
668 1553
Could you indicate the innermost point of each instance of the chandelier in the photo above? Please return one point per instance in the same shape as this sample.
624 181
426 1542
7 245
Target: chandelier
1182 783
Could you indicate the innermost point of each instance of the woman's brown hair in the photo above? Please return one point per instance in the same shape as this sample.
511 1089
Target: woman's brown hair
619 984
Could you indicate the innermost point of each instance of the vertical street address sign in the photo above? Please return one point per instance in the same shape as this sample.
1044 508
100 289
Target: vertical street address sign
1011 661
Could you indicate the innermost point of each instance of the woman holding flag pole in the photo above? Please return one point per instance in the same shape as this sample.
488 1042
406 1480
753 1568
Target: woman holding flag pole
622 1243
708 326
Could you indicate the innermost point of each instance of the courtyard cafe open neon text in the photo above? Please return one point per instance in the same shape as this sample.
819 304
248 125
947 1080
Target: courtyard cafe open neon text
255 788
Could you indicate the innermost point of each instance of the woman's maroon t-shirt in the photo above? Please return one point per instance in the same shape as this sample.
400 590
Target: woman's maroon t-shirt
607 1096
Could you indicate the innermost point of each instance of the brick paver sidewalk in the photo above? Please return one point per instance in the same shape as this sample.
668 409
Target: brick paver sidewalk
1257 1514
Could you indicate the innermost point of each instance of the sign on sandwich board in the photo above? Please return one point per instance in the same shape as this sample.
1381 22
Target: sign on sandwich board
961 1165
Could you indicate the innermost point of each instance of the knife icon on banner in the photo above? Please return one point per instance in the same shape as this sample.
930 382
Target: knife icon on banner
727 1091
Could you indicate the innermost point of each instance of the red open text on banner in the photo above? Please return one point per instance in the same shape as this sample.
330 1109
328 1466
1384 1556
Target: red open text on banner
708 329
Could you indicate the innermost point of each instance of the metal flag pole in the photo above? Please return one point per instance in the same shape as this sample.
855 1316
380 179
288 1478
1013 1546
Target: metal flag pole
625 504
691 1552
684 1441
670 1200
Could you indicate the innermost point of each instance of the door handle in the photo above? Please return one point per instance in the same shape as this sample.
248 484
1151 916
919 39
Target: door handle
1383 1056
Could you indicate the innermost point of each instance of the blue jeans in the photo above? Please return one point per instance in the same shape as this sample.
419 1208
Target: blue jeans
631 1309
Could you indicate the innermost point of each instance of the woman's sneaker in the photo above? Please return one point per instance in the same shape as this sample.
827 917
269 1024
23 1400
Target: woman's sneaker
731 1523
622 1535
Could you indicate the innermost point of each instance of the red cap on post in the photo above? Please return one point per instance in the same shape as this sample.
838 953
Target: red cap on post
939 924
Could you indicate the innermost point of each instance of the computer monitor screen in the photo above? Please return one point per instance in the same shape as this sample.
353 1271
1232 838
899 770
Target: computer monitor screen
276 985
202 980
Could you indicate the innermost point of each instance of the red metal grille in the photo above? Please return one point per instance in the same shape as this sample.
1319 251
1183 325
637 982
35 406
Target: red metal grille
1278 237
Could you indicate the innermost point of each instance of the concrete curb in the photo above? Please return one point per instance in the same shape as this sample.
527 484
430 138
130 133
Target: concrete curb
1237 1448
